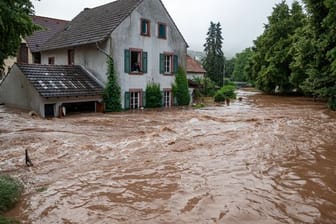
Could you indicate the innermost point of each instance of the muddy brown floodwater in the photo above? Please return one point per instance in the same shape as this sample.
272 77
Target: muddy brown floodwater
263 160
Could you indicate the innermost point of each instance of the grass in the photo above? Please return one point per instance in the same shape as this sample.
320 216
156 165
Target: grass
10 192
4 220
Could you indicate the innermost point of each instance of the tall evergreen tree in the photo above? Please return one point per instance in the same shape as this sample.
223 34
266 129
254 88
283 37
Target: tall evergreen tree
112 90
180 88
15 23
214 59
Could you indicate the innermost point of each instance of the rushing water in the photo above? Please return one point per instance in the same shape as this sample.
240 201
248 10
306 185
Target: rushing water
266 159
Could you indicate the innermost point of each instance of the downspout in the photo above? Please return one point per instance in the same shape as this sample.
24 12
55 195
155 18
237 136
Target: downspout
103 52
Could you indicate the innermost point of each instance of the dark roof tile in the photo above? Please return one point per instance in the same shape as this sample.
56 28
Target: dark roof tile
194 66
61 80
49 26
92 25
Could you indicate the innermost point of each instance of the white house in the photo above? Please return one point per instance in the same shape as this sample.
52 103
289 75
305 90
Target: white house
141 37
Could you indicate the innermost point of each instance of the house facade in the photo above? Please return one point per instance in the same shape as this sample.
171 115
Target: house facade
194 69
29 50
139 35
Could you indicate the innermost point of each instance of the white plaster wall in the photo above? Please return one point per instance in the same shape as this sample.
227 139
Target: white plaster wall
93 60
191 76
15 90
60 55
127 35
87 55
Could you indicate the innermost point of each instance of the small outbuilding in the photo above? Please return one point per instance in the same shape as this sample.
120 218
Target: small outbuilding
52 90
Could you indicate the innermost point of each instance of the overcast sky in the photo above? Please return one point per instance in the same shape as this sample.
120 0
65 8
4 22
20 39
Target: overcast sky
242 20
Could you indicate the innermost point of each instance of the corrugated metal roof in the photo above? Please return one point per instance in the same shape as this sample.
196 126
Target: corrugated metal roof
61 80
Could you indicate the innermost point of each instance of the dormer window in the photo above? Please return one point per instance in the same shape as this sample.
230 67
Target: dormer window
162 31
145 27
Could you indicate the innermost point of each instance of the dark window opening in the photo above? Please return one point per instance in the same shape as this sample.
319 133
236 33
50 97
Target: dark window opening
162 31
136 61
80 107
37 58
71 57
51 60
145 27
49 110
23 53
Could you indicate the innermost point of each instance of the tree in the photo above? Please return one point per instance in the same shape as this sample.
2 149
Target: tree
15 23
180 88
229 67
214 60
240 66
112 90
321 68
270 67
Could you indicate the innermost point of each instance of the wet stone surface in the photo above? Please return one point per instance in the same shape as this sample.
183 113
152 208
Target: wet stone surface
266 159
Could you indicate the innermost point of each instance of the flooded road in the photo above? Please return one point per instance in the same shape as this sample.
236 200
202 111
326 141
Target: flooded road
263 160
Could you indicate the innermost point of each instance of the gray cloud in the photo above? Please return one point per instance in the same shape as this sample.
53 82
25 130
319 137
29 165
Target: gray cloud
242 20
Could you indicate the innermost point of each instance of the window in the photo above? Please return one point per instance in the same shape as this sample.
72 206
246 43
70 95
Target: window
168 63
37 58
162 31
71 57
167 98
134 99
135 61
51 60
145 27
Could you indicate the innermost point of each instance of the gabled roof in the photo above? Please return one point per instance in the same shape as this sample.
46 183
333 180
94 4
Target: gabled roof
194 66
61 80
96 24
50 27
93 25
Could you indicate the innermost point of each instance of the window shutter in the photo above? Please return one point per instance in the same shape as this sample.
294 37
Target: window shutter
127 100
127 61
143 99
144 62
162 98
162 63
175 64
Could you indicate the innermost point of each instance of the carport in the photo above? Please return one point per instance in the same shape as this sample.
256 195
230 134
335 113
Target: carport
52 90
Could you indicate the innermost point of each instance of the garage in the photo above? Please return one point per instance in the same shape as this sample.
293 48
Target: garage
50 89
80 107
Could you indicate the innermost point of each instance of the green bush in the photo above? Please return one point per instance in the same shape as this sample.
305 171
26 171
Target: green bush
206 86
181 88
153 95
4 220
226 92
10 192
